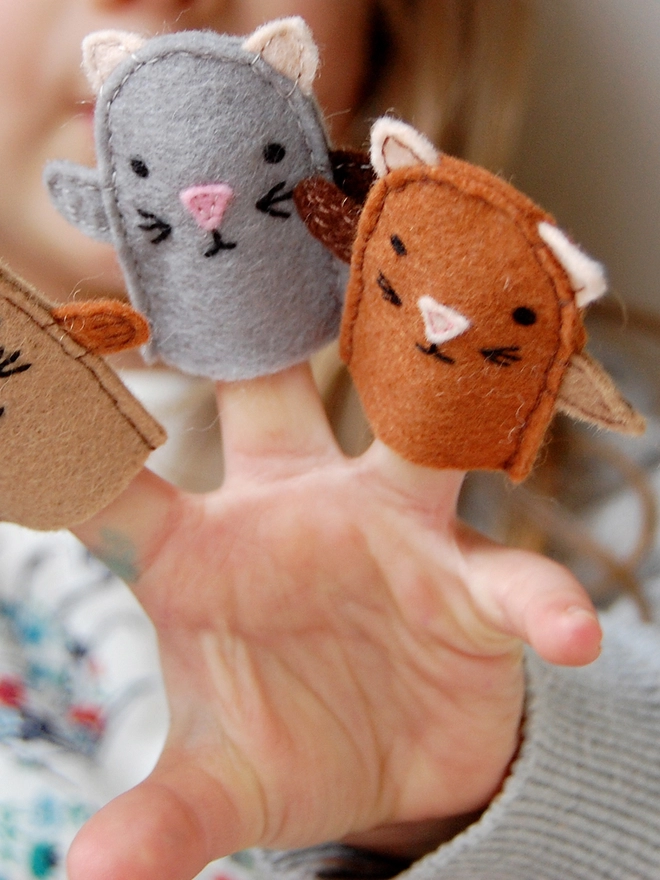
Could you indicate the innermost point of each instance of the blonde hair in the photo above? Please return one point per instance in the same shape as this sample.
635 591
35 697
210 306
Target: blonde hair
455 69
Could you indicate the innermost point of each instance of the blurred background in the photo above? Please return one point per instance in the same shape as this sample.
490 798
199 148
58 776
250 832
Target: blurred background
589 152
589 148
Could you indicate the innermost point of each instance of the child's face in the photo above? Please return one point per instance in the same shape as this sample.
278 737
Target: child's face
46 109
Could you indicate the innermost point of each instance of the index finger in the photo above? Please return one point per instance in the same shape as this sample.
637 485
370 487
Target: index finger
274 421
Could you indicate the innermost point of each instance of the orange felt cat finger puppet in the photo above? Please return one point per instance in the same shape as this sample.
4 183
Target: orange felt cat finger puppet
463 324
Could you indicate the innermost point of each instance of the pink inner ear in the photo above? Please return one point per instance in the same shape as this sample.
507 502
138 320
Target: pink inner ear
441 322
207 204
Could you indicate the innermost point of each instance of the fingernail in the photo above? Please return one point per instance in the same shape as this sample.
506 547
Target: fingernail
575 610
580 614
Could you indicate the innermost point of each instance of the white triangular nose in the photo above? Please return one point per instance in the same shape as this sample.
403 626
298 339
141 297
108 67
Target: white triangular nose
441 323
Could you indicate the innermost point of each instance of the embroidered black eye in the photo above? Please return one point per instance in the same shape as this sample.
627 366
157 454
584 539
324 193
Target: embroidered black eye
389 293
398 246
274 153
139 167
524 316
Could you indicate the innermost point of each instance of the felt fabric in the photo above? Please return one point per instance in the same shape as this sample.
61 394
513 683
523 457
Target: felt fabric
102 327
586 275
352 173
255 294
329 215
462 327
287 45
76 191
588 393
207 204
72 435
395 144
331 211
104 50
458 236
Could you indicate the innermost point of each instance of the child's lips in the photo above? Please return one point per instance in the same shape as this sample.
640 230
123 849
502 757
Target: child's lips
73 130
86 108
85 113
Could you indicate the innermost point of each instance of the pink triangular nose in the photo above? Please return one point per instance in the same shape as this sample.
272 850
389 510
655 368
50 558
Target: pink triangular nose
441 322
207 204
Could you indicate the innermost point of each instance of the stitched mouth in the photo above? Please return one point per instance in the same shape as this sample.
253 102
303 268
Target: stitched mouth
433 351
219 244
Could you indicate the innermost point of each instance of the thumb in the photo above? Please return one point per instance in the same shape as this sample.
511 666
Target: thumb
167 828
534 599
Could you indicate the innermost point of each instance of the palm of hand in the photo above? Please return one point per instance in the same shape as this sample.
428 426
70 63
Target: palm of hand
339 653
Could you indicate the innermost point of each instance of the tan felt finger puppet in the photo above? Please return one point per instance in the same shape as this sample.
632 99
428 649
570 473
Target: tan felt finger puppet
463 320
72 436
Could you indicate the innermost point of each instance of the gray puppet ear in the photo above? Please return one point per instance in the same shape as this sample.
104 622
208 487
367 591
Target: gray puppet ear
103 50
76 193
588 393
288 46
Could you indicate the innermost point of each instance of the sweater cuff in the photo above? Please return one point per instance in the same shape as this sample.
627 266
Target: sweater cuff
582 798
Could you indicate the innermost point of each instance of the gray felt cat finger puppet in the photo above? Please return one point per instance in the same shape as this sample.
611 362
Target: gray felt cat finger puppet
201 139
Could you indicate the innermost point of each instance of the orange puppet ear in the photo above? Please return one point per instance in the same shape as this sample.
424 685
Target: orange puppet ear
395 144
331 211
103 326
329 215
587 277
588 393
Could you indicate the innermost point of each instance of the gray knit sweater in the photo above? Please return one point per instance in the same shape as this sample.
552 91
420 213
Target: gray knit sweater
582 801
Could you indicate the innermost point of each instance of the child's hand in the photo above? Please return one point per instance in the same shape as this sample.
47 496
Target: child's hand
339 652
